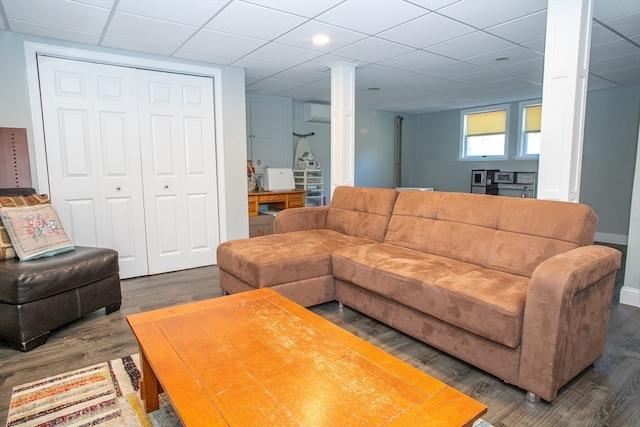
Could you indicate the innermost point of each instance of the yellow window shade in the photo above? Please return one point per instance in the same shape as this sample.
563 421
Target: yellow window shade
487 123
532 118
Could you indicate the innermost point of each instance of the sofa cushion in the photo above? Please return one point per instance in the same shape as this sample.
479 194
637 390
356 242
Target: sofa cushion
489 231
485 302
35 231
6 248
361 212
23 282
281 258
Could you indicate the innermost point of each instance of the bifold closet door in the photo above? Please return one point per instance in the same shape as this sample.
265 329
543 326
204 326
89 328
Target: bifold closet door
131 162
93 156
179 172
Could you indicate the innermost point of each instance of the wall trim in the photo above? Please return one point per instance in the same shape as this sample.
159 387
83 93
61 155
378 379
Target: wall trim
630 296
615 239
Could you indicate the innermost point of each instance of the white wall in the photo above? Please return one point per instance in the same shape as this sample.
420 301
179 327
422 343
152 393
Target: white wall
374 146
15 111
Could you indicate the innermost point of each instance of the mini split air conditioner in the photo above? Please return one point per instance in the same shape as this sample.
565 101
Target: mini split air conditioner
319 113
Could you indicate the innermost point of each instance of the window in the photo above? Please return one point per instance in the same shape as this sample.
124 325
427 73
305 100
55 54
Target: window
530 119
484 133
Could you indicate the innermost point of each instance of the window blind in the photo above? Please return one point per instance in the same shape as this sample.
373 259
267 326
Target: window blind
487 123
532 118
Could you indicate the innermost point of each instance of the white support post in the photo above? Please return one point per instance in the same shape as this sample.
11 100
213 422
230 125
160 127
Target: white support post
564 96
343 117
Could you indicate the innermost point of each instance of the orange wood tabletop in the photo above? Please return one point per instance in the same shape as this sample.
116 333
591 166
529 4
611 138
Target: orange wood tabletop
258 359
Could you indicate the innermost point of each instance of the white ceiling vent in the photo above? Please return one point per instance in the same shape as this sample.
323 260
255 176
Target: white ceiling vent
319 113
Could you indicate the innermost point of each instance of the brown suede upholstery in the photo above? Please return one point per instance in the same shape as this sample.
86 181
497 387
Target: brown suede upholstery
513 286
301 252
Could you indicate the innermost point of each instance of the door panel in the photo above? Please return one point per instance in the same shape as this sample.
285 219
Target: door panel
179 164
93 156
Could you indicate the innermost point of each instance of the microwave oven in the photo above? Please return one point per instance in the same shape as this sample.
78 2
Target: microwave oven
504 177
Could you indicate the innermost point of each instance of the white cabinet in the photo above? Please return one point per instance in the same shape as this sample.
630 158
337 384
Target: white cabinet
270 131
312 181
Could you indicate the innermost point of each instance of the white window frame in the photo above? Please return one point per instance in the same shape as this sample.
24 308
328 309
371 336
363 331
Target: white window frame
522 134
463 132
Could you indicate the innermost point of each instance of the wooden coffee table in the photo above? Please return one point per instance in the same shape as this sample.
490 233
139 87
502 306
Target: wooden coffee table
257 359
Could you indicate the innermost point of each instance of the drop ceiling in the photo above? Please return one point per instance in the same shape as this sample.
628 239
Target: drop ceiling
412 56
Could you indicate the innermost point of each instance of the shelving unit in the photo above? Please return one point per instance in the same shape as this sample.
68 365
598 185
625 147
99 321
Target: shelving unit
311 180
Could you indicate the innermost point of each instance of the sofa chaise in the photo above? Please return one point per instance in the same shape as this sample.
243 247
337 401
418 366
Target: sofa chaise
513 286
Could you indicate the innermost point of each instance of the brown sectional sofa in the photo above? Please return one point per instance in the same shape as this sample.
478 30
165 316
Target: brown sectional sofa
512 286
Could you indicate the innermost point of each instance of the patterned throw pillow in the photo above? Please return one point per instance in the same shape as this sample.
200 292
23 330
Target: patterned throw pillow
35 231
6 248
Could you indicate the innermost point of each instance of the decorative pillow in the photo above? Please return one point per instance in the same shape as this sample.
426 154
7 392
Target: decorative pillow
6 248
35 231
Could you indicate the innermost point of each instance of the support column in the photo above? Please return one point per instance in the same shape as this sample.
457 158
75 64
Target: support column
564 96
343 117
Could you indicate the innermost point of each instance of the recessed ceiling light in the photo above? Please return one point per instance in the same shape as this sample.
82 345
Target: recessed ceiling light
320 39
501 59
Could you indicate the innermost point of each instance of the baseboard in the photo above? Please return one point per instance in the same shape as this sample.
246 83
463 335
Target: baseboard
630 296
615 239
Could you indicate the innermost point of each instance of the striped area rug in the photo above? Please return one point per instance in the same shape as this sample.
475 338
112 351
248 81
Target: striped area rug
105 394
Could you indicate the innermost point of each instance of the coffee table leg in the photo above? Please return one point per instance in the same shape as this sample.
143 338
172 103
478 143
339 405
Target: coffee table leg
148 385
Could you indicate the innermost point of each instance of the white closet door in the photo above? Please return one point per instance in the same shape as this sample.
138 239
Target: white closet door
178 163
93 156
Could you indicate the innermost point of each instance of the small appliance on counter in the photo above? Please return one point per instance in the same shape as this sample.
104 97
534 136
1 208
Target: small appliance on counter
277 179
483 181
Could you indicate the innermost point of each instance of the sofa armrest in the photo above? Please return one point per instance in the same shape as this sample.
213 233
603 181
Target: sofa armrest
298 219
566 316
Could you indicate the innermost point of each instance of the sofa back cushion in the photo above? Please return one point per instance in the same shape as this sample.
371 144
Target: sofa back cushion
361 212
507 234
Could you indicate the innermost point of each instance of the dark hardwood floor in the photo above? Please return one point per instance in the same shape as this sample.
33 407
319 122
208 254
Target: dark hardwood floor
606 394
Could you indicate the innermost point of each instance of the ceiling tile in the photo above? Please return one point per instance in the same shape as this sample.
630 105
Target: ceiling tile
373 49
451 69
197 55
223 43
190 12
609 50
254 21
126 44
487 13
620 62
407 79
415 60
522 69
302 36
375 72
300 75
322 63
53 32
625 77
515 54
603 10
522 30
469 45
425 31
282 54
371 16
628 25
146 31
256 70
306 8
76 17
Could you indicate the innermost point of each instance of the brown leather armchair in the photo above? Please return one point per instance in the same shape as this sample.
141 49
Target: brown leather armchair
43 294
